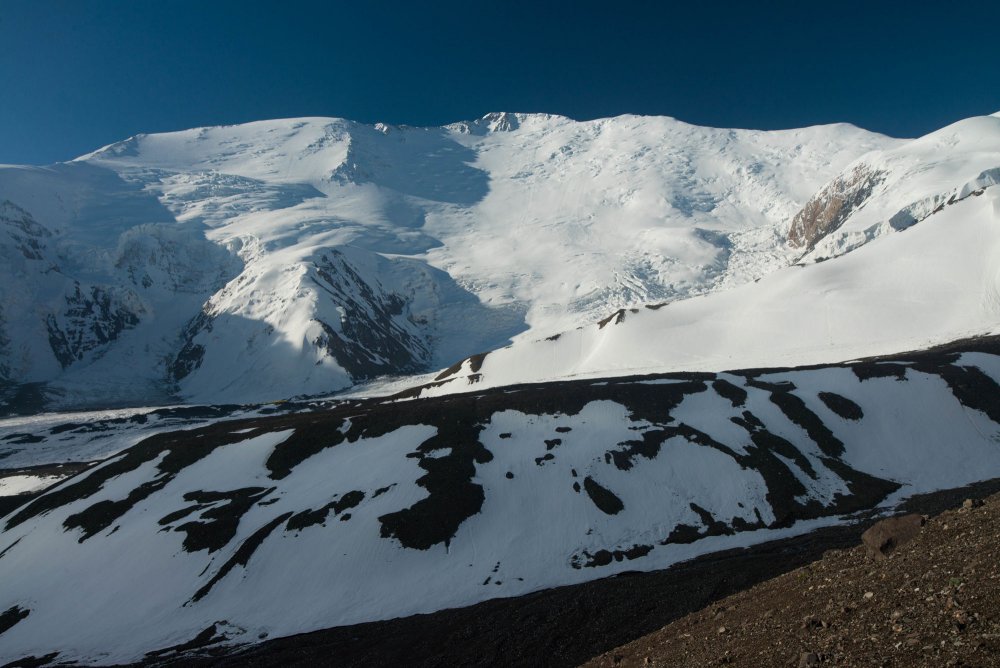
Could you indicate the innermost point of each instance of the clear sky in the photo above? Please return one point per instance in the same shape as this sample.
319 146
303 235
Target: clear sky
76 75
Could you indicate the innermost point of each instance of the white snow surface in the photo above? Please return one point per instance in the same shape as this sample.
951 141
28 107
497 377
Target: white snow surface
938 280
295 236
25 484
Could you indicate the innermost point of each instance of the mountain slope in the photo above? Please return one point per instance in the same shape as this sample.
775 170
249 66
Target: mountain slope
931 603
383 508
891 190
938 282
280 258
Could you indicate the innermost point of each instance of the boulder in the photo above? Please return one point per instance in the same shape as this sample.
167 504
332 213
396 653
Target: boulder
885 536
969 504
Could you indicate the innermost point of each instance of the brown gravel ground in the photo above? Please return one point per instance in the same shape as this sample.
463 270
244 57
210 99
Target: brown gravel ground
932 602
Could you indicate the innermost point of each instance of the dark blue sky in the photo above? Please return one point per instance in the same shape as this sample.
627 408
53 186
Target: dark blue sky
77 75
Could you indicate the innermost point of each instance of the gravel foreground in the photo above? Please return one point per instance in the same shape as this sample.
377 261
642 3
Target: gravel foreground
934 601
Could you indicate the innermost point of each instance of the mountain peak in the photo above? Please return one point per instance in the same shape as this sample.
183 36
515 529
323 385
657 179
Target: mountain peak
501 121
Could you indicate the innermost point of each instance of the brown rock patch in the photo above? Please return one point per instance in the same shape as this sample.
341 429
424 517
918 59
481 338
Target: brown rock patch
885 536
933 600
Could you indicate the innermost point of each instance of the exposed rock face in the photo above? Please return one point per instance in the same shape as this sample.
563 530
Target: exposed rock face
832 205
375 334
358 323
93 317
25 234
191 353
501 121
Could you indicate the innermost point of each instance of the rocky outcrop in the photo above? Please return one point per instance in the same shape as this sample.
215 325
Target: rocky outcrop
374 335
92 317
191 353
832 205
26 236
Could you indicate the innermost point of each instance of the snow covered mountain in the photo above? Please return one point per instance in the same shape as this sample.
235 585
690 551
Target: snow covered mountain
281 258
891 190
375 509
883 293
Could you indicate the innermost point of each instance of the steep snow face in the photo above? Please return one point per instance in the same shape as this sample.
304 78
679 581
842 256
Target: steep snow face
278 258
624 211
891 190
938 282
376 509
332 320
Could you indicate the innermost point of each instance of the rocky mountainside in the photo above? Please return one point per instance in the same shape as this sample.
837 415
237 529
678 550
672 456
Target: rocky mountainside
283 258
833 205
891 190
